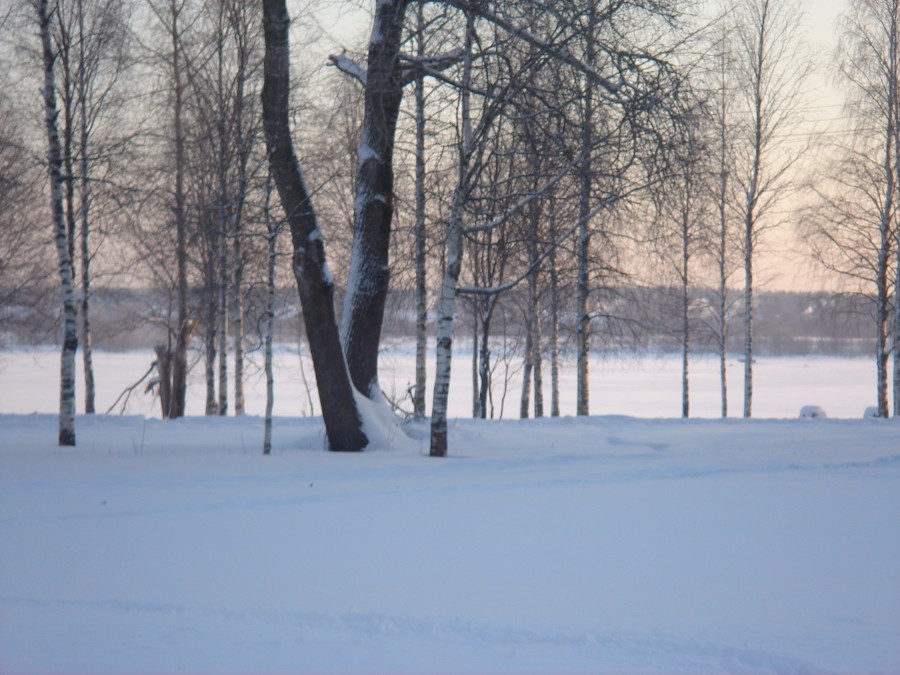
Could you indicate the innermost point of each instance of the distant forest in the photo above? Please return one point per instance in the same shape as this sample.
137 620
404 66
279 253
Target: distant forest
644 320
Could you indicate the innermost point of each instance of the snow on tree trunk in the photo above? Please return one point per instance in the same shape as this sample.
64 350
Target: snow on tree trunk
368 277
66 436
343 424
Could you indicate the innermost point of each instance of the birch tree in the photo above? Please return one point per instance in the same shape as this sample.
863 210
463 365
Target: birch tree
854 230
770 71
55 160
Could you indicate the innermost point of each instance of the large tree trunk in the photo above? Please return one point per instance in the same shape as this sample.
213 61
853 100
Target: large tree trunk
343 424
66 436
367 283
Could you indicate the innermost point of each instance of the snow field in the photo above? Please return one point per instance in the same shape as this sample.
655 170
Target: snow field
601 545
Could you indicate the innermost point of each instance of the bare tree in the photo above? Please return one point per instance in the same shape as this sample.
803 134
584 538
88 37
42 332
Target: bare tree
61 234
314 282
770 73
854 229
173 364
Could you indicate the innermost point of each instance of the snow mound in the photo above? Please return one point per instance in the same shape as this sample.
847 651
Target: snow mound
380 425
809 412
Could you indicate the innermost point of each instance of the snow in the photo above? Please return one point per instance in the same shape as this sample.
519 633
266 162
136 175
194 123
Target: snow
609 544
810 412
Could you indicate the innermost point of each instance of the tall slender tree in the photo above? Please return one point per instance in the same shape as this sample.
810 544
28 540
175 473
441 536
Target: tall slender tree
60 232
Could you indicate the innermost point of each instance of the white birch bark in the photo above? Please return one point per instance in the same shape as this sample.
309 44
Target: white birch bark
454 252
421 274
896 345
66 436
84 195
685 312
582 405
554 336
271 235
528 365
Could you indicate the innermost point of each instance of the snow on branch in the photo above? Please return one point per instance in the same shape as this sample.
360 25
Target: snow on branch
350 67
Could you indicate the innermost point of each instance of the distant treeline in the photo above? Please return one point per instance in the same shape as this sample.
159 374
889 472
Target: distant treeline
630 319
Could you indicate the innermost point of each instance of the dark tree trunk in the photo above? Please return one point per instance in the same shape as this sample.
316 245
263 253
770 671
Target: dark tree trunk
343 425
368 280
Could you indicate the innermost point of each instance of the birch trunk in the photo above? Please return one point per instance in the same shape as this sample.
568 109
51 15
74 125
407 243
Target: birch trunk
271 235
723 289
210 340
528 365
223 266
343 424
485 400
238 327
66 436
421 241
444 339
85 197
184 329
685 322
244 148
748 318
584 234
476 390
450 282
896 382
554 335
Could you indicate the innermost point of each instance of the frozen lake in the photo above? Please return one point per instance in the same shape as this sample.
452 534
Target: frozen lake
642 387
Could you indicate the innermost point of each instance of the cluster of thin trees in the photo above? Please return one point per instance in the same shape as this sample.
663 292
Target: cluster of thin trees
555 152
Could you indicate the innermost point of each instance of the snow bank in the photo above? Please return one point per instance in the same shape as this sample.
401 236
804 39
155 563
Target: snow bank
810 412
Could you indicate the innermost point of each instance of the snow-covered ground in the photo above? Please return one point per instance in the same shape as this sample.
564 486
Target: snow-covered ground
609 544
